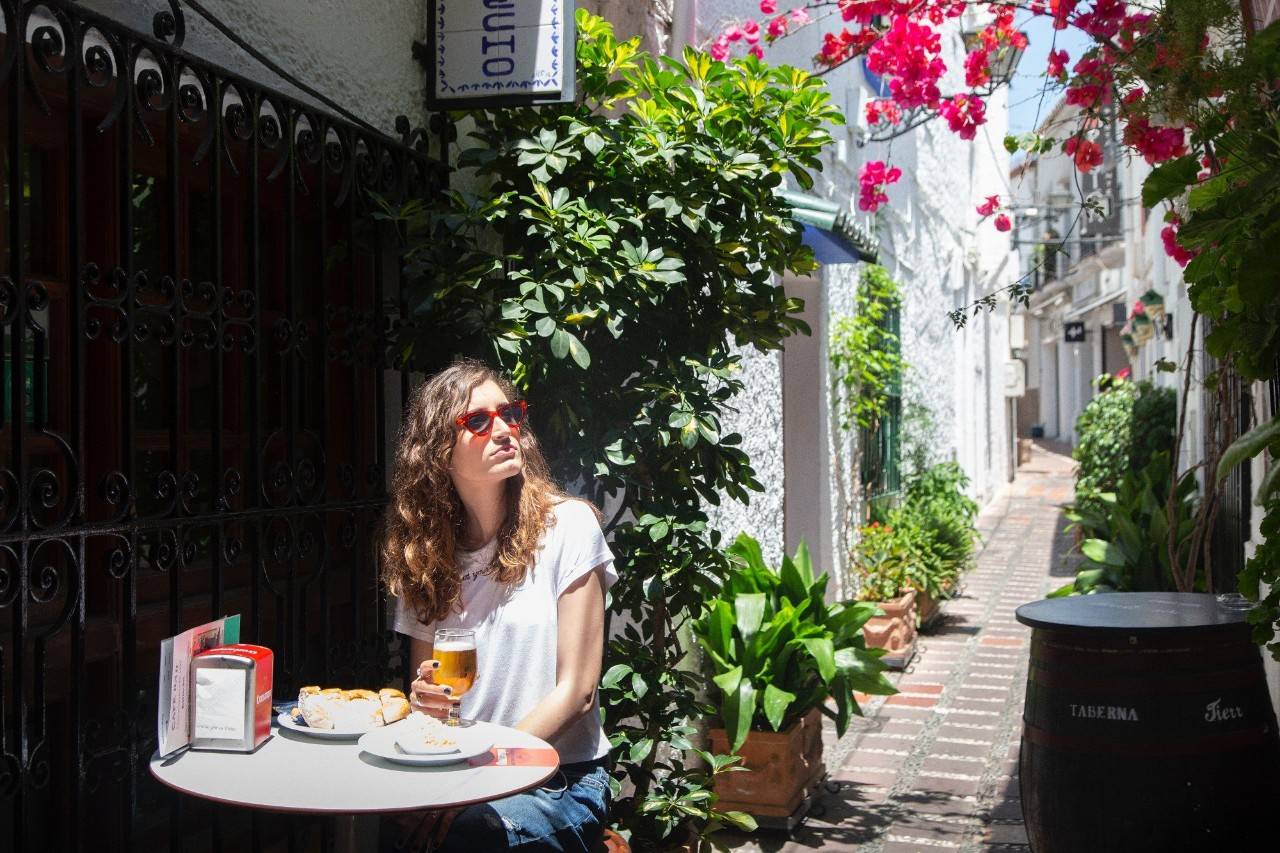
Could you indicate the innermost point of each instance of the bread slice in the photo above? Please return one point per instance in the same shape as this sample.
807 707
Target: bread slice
394 706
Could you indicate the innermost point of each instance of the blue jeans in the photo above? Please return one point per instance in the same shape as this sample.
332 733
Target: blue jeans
568 813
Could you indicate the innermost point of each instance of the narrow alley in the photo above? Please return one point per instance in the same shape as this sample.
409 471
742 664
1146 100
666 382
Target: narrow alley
936 766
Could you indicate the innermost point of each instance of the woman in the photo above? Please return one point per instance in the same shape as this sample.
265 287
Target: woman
478 537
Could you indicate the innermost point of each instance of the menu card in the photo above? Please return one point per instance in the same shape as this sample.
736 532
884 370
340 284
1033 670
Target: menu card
173 721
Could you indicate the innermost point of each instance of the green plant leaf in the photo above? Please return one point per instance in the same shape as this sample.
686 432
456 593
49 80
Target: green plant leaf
1248 446
776 701
1101 551
748 550
748 610
741 820
738 708
824 656
1169 179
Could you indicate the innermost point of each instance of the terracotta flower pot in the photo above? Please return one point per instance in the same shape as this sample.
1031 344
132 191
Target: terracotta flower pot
929 609
615 843
784 768
895 631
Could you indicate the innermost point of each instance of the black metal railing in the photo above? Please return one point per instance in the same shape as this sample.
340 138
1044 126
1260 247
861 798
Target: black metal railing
196 316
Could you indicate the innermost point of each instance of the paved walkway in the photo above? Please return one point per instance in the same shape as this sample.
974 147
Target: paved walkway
935 767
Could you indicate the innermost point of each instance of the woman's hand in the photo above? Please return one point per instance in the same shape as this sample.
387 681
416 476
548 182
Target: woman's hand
428 697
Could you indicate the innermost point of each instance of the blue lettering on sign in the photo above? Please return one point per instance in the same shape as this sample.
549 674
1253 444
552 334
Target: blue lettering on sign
497 64
490 25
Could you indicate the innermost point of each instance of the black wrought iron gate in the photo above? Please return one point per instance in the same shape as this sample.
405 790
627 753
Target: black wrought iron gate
196 317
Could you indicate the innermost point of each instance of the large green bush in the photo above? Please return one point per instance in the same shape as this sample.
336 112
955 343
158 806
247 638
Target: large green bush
624 249
1120 430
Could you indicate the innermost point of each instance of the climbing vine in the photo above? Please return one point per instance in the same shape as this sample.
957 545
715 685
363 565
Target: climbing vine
865 357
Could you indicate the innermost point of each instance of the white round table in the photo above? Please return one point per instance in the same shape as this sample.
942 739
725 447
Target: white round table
291 772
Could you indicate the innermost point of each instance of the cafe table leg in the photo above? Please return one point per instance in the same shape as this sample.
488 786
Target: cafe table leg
354 833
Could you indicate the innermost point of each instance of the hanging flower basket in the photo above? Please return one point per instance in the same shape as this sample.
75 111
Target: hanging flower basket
1129 344
1152 305
1143 329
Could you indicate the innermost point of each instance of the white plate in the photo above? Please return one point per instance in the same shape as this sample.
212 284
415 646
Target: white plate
288 722
472 742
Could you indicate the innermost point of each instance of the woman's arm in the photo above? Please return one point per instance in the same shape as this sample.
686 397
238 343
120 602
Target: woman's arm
579 650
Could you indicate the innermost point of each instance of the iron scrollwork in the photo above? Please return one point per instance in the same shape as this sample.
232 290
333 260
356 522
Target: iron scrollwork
189 441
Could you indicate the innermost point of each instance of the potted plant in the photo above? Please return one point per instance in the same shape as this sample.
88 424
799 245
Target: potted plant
936 522
779 651
880 563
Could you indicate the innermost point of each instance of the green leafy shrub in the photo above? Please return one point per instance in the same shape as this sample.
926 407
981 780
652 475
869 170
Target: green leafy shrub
1126 533
621 253
1120 430
924 543
779 650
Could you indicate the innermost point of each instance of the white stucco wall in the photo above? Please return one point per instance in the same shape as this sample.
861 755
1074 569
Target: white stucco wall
358 54
756 414
934 246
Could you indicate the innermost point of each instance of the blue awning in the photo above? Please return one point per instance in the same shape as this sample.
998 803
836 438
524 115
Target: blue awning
827 248
835 236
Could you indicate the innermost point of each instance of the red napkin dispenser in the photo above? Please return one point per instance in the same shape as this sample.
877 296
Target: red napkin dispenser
231 697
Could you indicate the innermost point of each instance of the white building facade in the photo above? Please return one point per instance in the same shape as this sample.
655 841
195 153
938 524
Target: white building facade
932 242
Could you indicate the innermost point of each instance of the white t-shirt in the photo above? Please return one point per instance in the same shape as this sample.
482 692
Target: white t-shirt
516 627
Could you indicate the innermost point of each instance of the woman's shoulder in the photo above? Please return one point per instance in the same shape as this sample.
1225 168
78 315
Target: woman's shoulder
575 512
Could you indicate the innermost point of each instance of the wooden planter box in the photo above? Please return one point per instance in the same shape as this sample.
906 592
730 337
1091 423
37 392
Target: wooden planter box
785 767
895 631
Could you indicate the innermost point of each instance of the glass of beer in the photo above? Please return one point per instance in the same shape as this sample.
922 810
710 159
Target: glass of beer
455 648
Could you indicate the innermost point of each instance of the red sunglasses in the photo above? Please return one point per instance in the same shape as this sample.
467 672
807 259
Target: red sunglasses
480 421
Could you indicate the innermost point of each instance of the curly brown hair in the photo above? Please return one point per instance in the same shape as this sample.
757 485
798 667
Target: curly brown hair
424 516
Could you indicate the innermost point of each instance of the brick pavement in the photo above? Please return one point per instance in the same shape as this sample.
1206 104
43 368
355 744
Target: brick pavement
936 766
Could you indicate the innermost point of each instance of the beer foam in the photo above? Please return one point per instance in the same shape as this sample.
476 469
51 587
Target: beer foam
456 646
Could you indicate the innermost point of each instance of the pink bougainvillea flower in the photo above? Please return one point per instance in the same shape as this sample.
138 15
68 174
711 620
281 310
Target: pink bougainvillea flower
1103 20
1061 11
964 113
989 206
1003 223
1169 236
768 7
907 55
720 49
845 45
1057 67
733 33
872 180
1086 153
1092 84
1156 144
751 32
1133 96
862 11
800 17
977 68
882 110
757 51
778 26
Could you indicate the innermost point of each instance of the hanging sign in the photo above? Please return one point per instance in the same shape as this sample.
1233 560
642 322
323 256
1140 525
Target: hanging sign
494 53
1073 332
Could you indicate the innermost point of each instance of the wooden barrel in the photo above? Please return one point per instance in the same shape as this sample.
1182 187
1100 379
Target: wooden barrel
1147 726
